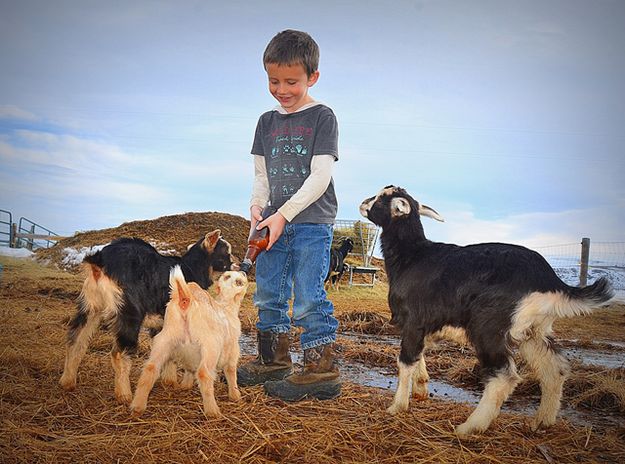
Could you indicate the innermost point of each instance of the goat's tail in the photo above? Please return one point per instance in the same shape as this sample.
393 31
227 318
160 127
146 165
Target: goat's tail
99 294
582 300
180 292
537 311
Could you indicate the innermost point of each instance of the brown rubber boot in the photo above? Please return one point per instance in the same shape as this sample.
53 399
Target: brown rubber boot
319 378
272 363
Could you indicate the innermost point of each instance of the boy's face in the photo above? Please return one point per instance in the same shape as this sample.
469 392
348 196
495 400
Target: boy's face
289 85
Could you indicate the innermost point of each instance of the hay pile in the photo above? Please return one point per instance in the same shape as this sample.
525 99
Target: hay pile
39 422
170 234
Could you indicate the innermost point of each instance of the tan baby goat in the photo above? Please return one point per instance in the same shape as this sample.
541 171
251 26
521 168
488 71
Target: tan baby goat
201 334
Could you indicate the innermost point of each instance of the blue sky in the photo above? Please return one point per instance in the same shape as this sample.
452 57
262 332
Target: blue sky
507 117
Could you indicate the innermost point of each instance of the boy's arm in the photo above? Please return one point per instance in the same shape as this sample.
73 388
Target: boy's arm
260 187
260 190
313 187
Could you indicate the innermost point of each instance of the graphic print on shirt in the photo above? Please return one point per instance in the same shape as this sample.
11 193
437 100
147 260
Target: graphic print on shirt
289 162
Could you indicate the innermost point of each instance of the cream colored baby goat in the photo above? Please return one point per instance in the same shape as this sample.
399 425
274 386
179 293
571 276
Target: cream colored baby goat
201 334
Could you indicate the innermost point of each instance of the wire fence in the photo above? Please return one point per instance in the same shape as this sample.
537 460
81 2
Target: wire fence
604 259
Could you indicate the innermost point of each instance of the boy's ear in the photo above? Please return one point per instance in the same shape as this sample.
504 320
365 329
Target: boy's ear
313 78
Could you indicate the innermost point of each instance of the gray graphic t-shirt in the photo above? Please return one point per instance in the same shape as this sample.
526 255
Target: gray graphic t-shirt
288 142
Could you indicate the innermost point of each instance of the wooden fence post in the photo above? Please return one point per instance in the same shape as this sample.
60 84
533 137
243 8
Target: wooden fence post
583 270
13 240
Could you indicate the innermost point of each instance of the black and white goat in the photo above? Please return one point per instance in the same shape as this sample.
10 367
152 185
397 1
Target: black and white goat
337 261
125 282
504 296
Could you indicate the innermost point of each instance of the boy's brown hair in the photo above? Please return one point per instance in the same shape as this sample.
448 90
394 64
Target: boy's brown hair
291 47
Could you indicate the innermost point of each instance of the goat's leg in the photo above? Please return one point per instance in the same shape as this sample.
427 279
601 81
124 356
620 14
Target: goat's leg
497 390
206 375
551 369
161 350
169 376
127 337
187 380
420 380
81 328
408 363
121 362
230 371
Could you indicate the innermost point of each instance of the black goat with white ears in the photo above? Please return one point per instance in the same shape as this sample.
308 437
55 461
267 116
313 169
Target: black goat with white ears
504 296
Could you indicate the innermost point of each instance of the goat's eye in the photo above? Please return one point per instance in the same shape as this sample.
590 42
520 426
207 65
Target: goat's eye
226 277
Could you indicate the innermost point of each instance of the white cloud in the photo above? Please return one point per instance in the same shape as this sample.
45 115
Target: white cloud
532 230
71 151
14 112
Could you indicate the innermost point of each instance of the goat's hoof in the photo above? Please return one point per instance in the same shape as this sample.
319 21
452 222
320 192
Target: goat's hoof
463 430
187 381
68 384
186 385
212 413
538 423
394 409
420 392
170 383
123 398
136 411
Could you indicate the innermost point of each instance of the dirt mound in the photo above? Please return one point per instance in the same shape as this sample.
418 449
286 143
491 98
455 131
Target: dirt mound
168 234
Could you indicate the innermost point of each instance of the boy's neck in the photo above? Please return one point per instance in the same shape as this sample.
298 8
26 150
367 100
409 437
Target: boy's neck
280 109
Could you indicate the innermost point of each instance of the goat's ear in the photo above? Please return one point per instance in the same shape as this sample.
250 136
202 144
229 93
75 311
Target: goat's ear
399 207
425 210
210 241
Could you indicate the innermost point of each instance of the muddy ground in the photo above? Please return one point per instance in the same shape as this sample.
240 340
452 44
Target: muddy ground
42 423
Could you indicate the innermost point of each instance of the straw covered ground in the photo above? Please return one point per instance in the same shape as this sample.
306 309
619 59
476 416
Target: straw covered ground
39 422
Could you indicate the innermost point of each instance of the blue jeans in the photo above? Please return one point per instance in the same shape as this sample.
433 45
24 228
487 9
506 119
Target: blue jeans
296 266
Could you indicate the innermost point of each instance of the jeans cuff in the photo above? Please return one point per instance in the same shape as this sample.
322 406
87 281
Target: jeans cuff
277 330
319 342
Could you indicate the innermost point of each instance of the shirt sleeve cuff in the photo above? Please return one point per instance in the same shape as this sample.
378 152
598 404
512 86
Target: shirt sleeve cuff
288 212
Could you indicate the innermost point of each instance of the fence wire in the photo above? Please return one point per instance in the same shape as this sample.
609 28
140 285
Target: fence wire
606 259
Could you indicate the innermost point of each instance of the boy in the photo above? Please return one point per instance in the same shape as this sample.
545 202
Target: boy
294 148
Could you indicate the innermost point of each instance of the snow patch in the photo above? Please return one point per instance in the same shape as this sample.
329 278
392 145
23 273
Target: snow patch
16 252
74 257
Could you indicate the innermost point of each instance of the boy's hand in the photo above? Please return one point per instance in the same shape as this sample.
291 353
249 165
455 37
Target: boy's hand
276 223
255 216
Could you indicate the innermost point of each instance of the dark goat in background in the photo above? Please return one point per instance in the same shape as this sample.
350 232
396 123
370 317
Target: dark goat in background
337 261
124 282
503 296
